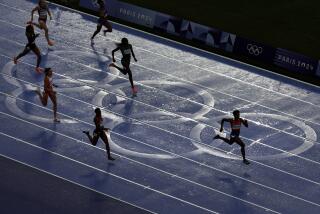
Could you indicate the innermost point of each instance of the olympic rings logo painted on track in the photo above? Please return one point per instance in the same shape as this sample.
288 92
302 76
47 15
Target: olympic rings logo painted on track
158 117
254 49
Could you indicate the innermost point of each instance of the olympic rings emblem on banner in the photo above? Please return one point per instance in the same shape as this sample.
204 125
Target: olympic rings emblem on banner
254 49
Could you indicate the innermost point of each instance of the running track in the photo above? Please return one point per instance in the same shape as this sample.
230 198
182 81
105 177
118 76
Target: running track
166 160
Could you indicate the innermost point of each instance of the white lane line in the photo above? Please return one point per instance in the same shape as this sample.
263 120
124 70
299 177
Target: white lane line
109 173
140 163
73 182
185 99
203 164
180 61
148 124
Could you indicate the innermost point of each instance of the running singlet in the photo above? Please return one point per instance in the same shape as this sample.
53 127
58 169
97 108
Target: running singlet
126 51
43 11
235 127
31 40
102 9
97 121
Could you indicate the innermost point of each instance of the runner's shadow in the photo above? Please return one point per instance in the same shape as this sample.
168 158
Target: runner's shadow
238 189
102 62
47 139
128 108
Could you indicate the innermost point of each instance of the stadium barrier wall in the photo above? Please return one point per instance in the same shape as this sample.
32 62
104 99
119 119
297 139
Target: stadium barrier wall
208 36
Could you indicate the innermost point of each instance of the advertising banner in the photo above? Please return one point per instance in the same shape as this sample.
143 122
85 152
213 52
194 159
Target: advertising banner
207 36
168 24
254 50
134 14
124 11
295 62
227 41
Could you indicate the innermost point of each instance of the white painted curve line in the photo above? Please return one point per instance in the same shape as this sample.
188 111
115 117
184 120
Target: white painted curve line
262 164
181 62
140 163
205 165
109 173
171 113
70 181
190 82
183 98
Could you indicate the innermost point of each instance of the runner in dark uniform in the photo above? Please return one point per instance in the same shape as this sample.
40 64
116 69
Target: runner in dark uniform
31 46
99 132
102 21
126 50
43 10
235 132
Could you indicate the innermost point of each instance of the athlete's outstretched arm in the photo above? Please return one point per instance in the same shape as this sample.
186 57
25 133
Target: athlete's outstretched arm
49 13
115 50
222 122
134 57
244 122
32 12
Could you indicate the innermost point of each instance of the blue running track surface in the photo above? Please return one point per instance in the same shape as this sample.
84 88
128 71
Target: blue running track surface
166 158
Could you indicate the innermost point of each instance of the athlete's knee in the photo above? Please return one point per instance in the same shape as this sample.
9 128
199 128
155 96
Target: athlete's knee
99 27
95 139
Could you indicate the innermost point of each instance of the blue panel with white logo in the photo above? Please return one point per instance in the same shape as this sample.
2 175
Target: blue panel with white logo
295 62
254 50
